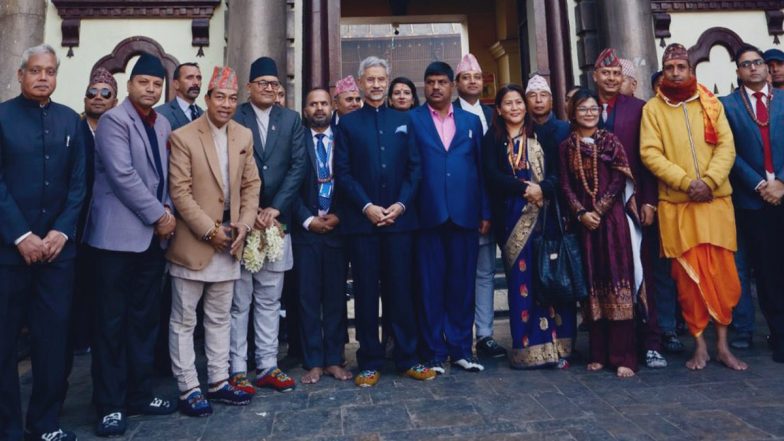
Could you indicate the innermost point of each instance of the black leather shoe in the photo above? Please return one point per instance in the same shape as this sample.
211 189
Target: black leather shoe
742 340
671 343
112 424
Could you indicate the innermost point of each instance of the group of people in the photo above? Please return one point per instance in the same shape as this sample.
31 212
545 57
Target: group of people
222 203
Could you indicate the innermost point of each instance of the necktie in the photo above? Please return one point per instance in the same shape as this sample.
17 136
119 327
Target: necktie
194 112
604 113
762 117
324 177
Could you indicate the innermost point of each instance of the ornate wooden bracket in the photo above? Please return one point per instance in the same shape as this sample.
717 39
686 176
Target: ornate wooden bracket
130 47
722 36
661 27
775 19
73 11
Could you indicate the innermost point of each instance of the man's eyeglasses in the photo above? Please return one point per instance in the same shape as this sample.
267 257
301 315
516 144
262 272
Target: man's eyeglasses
93 92
264 84
756 63
586 110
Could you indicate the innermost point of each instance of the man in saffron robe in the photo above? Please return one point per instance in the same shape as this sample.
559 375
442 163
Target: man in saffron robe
686 141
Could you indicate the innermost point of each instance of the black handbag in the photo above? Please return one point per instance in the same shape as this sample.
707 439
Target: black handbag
559 275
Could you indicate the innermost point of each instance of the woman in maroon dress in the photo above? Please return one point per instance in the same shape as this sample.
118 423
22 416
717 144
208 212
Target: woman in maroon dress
598 187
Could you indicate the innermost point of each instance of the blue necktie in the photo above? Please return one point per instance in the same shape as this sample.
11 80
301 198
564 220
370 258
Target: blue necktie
324 177
194 112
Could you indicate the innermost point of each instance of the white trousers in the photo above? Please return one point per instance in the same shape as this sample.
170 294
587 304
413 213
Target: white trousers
217 324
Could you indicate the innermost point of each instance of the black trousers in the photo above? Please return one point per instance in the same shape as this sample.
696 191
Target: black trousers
764 229
81 317
386 259
41 294
321 281
128 290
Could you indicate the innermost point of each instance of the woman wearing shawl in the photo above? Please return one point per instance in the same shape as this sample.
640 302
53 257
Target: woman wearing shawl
598 186
514 165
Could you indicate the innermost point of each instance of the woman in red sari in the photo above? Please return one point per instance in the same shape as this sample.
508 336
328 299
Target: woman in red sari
598 187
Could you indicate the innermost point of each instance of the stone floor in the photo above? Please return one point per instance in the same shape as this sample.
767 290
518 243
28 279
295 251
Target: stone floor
497 404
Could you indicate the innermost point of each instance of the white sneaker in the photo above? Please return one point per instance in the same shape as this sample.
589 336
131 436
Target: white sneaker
470 365
655 360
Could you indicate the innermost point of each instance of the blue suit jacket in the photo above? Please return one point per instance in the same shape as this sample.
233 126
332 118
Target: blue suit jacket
452 186
281 160
173 113
306 204
125 206
375 163
41 174
749 168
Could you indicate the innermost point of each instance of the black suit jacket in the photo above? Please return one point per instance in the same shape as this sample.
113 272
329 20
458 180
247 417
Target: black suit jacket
281 161
306 203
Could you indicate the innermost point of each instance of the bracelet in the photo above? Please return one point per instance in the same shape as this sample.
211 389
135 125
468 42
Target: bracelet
213 231
580 213
655 209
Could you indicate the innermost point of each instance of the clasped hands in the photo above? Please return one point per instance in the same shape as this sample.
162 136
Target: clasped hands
164 227
323 224
224 235
382 217
771 191
699 191
34 249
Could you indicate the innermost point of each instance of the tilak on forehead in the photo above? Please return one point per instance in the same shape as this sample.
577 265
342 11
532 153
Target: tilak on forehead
607 58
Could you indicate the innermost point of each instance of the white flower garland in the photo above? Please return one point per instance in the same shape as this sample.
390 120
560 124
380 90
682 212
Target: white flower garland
260 248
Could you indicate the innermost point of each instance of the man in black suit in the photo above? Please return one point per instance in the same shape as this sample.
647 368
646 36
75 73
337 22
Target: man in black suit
319 252
41 195
183 109
278 149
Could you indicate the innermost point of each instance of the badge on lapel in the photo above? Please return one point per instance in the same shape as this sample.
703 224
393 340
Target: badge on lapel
402 129
470 134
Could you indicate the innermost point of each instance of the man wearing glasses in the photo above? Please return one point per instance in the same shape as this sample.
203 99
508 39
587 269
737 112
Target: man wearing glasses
280 156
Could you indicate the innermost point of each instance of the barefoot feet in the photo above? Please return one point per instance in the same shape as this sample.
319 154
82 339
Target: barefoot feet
729 360
624 372
339 373
593 367
312 376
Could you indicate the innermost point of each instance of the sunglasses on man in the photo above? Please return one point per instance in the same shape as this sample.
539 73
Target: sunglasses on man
93 92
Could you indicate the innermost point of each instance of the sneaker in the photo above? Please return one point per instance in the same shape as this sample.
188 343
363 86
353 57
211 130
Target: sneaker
655 360
562 364
275 379
469 364
57 435
195 405
367 378
439 367
156 406
672 343
111 424
488 347
742 340
240 381
230 395
420 372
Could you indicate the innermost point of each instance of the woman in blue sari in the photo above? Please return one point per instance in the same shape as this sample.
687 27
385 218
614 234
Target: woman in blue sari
514 165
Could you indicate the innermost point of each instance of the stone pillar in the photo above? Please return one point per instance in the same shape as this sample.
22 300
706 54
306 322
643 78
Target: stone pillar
257 28
627 25
22 22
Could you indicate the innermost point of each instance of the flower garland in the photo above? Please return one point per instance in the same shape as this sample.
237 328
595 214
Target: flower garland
263 246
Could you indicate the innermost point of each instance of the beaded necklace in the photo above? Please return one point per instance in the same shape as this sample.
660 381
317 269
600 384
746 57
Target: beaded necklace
595 168
747 104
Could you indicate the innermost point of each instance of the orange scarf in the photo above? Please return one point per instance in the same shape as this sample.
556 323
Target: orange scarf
675 94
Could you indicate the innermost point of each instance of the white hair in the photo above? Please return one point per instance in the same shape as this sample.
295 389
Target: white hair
372 61
38 50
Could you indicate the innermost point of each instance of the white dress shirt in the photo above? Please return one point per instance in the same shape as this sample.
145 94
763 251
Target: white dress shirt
476 109
328 143
753 102
262 119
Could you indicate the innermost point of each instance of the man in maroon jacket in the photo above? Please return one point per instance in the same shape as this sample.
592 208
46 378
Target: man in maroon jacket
622 115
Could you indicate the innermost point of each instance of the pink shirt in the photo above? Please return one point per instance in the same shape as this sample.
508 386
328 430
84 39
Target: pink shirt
445 127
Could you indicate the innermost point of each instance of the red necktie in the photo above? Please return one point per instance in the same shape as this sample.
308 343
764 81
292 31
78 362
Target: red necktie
762 117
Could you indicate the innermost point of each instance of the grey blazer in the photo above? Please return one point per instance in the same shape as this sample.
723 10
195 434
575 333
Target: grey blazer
281 161
124 206
172 111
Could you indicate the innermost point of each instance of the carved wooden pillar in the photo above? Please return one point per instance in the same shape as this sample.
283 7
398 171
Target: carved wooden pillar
321 43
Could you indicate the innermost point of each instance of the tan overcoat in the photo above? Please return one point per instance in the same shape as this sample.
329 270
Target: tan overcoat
196 188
